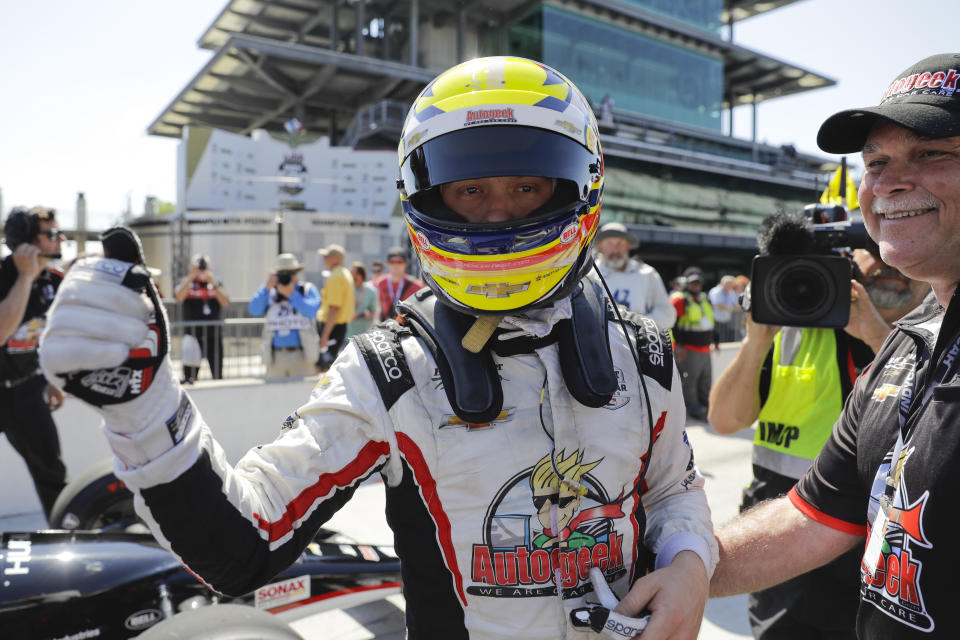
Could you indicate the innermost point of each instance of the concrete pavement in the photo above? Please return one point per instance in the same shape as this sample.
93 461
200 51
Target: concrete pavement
725 462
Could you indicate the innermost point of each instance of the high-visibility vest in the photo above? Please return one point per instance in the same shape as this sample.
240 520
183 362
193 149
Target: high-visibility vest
695 326
804 401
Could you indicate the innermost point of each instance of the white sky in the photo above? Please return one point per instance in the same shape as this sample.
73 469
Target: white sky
81 81
862 44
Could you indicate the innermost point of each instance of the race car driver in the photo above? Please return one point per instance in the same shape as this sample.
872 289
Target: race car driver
509 357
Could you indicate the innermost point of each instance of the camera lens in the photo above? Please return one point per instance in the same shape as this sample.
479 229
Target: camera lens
284 277
802 289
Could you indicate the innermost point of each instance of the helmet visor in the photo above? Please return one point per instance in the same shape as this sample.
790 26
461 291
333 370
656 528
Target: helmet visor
490 151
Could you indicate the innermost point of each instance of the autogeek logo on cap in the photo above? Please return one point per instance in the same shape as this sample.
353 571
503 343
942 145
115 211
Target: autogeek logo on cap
942 83
485 116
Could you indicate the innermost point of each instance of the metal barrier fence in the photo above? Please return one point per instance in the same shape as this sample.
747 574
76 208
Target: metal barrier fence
734 330
237 340
233 343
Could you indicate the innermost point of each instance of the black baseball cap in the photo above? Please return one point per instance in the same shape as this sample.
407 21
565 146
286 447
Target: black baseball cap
924 98
396 252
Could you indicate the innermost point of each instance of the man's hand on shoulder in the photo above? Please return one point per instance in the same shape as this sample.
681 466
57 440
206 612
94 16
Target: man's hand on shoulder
675 596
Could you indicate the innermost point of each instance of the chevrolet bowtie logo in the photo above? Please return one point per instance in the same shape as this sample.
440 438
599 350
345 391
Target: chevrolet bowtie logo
886 391
498 289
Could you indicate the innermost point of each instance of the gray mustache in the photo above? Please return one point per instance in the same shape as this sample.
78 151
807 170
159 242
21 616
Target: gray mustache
909 202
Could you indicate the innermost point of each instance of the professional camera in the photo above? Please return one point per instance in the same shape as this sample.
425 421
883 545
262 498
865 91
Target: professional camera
802 277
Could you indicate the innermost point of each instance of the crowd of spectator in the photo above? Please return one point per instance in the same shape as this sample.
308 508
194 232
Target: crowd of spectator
306 324
699 318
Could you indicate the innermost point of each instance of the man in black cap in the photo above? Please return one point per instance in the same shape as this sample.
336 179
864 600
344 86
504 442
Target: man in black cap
886 479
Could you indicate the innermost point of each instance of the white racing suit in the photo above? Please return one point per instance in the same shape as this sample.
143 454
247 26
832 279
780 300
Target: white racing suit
478 559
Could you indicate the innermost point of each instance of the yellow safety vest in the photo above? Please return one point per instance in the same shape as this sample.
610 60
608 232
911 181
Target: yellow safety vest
695 326
804 401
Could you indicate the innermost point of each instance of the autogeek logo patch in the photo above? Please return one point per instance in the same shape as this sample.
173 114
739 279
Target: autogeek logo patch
940 82
486 116
521 554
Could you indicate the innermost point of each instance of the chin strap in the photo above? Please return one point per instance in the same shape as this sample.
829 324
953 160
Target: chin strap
479 333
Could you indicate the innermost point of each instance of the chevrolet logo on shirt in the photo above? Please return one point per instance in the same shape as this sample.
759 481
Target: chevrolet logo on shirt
506 415
885 391
498 289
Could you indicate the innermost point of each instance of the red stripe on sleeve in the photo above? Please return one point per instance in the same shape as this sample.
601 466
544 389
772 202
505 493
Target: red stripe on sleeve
812 512
637 503
657 430
368 457
428 490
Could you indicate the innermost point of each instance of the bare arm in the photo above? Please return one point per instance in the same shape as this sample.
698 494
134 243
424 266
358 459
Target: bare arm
735 396
180 293
771 543
218 291
222 296
12 307
865 321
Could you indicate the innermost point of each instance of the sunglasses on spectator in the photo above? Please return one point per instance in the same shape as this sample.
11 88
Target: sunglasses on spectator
396 261
53 234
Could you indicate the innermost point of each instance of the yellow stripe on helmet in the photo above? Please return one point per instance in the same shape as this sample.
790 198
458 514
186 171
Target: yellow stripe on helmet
490 81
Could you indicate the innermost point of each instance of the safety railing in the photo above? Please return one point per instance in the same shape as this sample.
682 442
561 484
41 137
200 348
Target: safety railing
236 344
231 345
732 331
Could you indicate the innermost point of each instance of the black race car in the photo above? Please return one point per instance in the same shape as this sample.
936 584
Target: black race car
102 575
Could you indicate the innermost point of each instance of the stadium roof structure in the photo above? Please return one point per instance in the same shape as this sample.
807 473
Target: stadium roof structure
273 60
255 82
309 20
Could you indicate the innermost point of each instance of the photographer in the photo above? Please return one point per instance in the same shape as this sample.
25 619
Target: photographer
290 340
203 299
796 390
